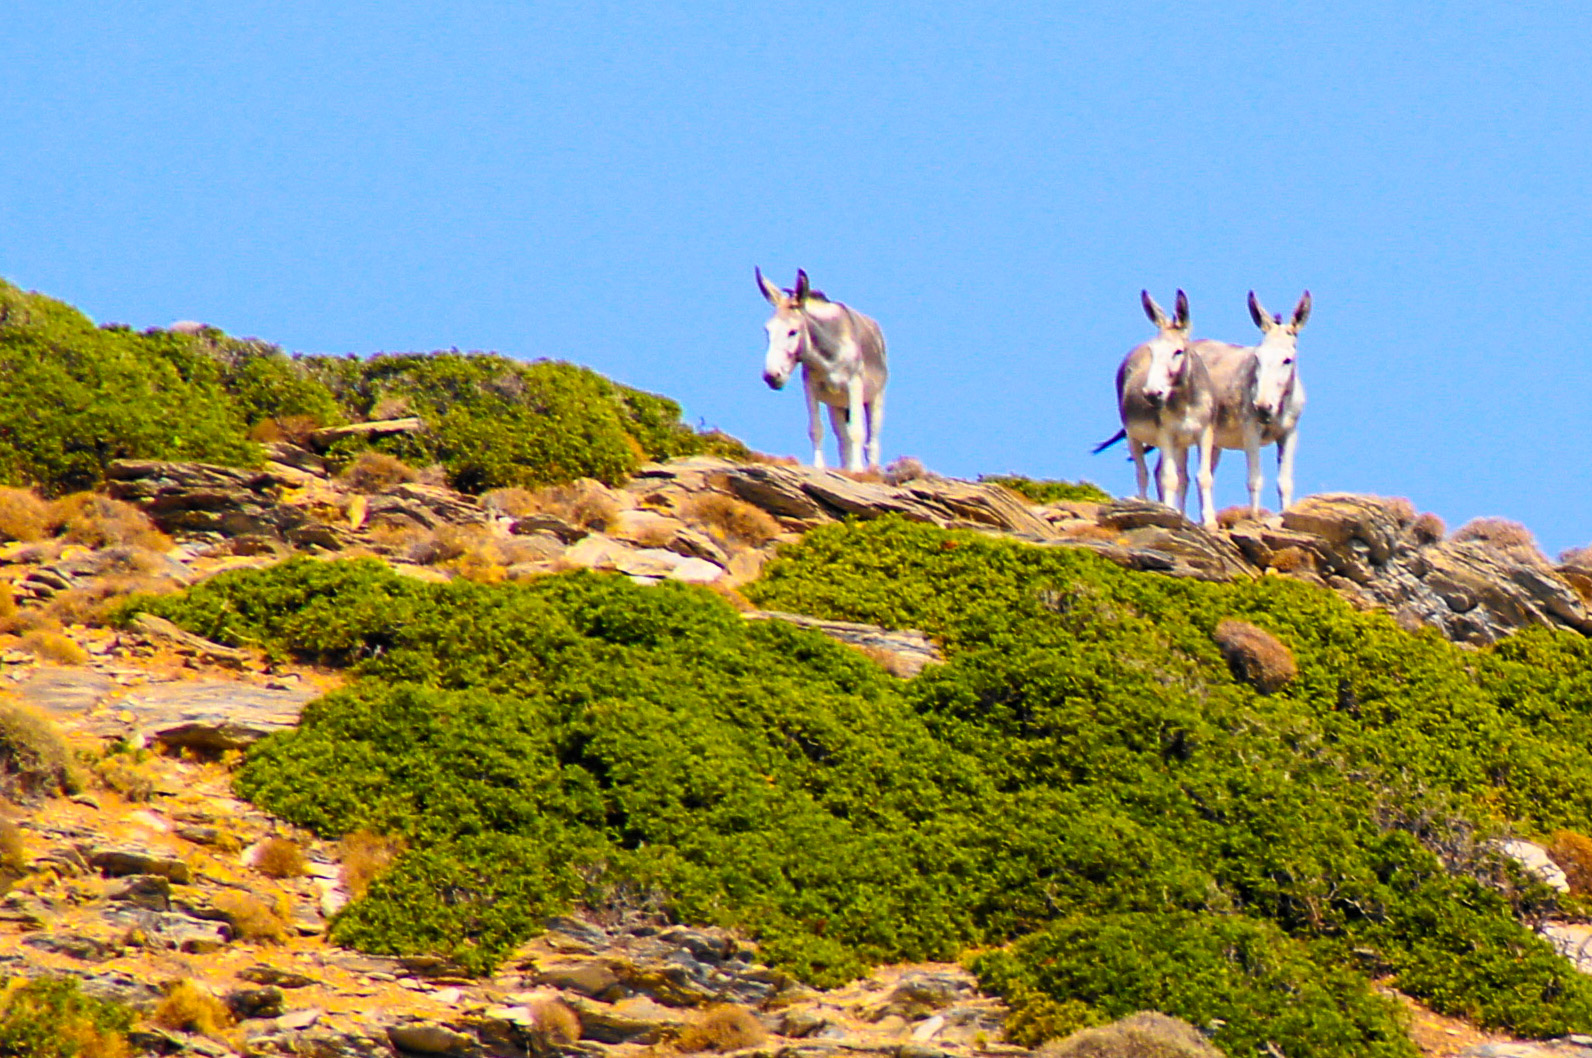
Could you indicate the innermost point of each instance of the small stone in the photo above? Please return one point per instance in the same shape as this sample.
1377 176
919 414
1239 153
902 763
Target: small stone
149 891
255 1002
115 861
261 974
425 1038
298 1019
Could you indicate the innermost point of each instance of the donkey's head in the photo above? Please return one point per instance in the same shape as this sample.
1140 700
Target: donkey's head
1276 356
787 328
1168 349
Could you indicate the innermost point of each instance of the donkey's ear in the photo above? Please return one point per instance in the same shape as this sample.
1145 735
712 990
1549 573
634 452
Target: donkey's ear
1258 313
774 294
803 288
1151 309
1180 312
1301 311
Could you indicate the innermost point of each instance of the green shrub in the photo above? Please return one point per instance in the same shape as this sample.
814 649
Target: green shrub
80 396
51 1017
1085 755
1249 978
1042 491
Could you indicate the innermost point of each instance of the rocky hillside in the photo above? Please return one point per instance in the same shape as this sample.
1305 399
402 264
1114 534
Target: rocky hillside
154 871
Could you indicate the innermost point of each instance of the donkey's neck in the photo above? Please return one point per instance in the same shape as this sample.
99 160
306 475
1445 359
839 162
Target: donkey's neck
825 336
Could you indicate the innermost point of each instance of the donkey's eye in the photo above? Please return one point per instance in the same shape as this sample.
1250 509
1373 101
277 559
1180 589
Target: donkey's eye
792 334
1287 361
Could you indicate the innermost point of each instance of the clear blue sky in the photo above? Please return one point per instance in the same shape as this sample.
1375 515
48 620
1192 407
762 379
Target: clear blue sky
994 183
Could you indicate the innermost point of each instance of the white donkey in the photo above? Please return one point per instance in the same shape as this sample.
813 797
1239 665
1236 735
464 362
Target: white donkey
1167 402
1259 396
843 366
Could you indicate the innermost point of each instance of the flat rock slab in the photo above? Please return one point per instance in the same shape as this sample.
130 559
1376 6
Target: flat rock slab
65 694
212 716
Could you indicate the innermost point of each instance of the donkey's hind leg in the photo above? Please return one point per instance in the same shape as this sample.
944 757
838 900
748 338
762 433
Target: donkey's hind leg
875 423
1136 450
840 422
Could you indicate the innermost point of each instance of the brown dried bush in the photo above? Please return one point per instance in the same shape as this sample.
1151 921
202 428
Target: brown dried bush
554 1022
655 534
13 852
389 408
443 544
870 475
188 1008
509 502
249 918
1290 559
19 620
904 469
724 1027
1143 1035
280 858
130 775
895 664
1255 655
1082 530
1228 517
1428 528
1503 536
364 855
728 518
53 647
23 515
95 603
373 471
1573 853
293 429
98 521
1402 510
585 503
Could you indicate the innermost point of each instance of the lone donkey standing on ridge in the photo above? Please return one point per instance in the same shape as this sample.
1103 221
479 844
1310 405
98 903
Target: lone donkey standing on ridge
1167 402
1259 396
843 366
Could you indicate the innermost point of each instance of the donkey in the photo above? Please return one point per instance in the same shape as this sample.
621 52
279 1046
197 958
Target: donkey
843 366
1259 396
1167 402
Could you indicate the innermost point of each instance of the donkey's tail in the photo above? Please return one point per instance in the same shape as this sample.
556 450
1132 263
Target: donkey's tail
1108 442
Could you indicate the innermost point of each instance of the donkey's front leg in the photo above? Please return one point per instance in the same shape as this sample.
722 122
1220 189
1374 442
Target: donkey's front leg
1173 456
1256 479
856 422
875 423
815 427
1136 450
1287 445
1207 476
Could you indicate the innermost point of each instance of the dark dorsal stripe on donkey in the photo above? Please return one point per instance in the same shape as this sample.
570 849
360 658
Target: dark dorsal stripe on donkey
842 355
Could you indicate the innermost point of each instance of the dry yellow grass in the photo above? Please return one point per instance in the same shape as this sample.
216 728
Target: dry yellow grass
510 502
97 521
23 1010
53 647
728 518
1257 657
655 534
585 503
23 515
34 758
1228 517
1573 853
280 858
188 1008
391 407
364 855
555 1022
374 471
13 852
249 918
1082 530
1143 1035
721 1028
132 778
294 429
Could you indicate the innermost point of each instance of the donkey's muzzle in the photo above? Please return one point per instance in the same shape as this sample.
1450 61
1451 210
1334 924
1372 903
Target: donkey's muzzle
774 381
1265 415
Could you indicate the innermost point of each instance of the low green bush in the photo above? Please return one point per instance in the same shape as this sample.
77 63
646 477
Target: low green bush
80 396
1084 761
1047 491
51 1017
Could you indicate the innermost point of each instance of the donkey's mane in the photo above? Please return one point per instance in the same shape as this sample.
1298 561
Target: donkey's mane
827 333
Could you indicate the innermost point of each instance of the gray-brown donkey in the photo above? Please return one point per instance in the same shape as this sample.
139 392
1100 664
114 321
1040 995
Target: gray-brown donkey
843 366
1167 402
1259 396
